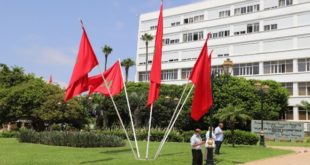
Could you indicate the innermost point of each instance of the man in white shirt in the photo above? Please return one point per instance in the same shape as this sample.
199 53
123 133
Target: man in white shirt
219 137
196 143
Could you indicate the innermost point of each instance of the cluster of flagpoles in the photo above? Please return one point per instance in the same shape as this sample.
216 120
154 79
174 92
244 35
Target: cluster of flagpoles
111 82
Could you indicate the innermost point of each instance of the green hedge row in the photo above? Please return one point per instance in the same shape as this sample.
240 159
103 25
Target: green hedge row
241 137
71 139
9 134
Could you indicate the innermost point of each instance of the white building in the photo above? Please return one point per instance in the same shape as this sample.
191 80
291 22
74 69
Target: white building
265 39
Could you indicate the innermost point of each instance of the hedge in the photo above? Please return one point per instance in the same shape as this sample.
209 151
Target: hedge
71 139
241 137
9 134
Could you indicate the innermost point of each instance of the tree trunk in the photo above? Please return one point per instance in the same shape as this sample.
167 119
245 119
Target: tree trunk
126 72
146 57
105 62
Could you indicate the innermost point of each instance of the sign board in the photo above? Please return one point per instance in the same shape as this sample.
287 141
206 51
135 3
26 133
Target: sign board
279 130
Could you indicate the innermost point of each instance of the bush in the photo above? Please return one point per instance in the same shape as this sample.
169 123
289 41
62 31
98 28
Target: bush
71 139
241 137
9 134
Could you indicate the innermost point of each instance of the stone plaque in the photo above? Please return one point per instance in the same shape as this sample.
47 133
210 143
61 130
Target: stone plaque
279 130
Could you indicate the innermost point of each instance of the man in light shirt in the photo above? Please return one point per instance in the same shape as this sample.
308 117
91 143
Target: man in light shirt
219 137
196 143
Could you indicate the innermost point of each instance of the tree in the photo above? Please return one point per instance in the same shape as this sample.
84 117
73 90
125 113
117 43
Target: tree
146 38
107 50
304 105
232 115
127 63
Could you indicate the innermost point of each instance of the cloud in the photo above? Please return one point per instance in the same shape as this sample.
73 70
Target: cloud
49 56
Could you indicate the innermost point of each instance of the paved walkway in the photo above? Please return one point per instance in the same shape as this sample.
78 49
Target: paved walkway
301 156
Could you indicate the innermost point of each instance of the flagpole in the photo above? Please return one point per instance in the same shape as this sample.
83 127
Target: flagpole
130 115
174 113
149 133
179 112
117 112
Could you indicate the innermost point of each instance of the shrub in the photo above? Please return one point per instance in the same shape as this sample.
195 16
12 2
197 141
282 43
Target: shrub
241 137
9 134
71 139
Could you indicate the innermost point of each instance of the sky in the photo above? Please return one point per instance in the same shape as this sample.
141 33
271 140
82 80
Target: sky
43 36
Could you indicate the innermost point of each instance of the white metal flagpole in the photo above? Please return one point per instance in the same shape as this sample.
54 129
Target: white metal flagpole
130 115
117 112
173 116
149 133
158 152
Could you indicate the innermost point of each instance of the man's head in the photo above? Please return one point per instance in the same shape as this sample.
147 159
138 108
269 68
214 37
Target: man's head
221 125
197 131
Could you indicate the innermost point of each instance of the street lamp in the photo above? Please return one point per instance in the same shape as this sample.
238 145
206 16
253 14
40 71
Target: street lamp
227 70
263 89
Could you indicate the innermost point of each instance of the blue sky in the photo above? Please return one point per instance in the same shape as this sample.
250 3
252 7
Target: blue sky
43 36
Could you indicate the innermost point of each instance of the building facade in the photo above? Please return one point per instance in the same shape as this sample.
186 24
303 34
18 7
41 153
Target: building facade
265 39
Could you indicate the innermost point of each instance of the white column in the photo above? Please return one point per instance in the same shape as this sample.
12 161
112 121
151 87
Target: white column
261 25
295 88
295 113
232 10
261 68
179 74
231 28
295 66
261 5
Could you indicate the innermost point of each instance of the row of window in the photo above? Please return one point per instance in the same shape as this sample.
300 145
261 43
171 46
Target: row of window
221 34
193 36
270 27
168 41
171 74
303 88
227 13
194 19
302 114
247 9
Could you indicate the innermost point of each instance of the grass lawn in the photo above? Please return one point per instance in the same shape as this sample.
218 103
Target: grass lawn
295 144
14 153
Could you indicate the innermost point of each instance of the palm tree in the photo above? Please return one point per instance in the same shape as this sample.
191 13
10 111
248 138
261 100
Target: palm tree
127 63
232 115
106 51
146 38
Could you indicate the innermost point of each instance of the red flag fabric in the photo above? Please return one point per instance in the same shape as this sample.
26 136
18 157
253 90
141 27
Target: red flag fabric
50 81
201 78
155 76
114 80
85 62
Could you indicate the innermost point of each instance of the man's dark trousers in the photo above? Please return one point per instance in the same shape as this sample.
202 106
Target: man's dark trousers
218 145
197 157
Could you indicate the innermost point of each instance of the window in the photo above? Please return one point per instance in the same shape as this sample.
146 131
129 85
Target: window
225 13
169 74
221 34
274 26
278 67
186 21
237 11
195 36
243 10
256 8
246 69
214 35
266 27
304 65
143 76
288 87
223 55
217 69
153 27
253 28
289 113
236 33
186 73
250 9
194 19
285 3
175 24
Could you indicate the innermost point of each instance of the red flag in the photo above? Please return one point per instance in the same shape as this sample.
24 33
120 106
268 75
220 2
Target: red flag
50 81
155 76
201 78
114 80
86 61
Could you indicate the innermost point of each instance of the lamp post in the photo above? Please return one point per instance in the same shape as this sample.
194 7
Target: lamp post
227 70
262 89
